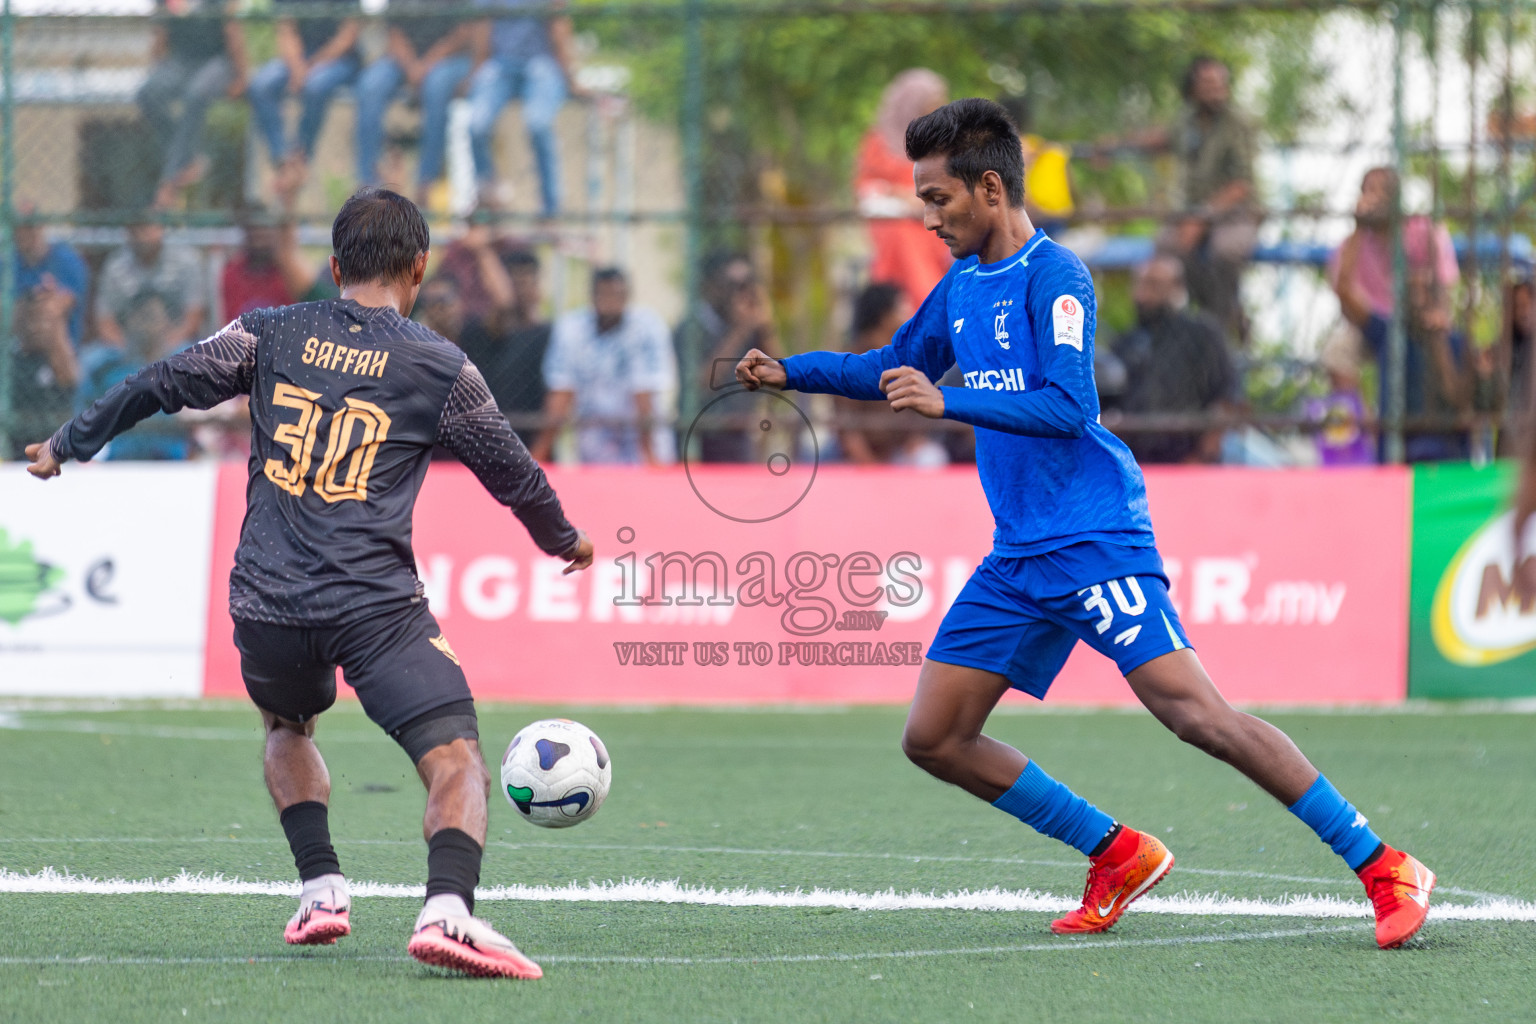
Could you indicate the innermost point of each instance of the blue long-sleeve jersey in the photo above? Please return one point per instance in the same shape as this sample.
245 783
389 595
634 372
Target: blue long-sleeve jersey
1022 332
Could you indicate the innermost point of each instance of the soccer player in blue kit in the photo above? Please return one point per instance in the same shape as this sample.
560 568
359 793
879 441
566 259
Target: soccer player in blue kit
1073 554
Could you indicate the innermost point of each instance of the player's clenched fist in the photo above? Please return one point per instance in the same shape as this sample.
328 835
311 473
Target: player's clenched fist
907 387
758 369
44 465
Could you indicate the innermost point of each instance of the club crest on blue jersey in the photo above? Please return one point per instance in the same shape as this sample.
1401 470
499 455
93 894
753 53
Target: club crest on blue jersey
1000 323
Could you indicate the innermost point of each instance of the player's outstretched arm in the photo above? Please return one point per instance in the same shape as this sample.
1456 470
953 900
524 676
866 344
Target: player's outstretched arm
475 430
922 343
199 377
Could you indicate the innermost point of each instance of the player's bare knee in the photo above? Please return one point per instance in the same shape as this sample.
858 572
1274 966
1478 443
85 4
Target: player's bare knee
1204 728
926 747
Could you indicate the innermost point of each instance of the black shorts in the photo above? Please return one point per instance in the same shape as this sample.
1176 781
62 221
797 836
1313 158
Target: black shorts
399 663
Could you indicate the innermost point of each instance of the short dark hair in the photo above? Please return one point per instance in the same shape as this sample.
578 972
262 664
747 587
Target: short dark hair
377 236
603 275
718 261
1196 63
874 304
977 136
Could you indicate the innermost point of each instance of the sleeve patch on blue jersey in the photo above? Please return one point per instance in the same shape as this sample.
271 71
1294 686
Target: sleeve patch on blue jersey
1067 321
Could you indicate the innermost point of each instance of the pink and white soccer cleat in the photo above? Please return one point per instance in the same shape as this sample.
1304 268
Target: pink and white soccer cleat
318 923
470 946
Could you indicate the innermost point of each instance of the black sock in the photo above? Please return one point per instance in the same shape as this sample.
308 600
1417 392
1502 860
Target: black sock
1381 848
309 836
1109 837
453 865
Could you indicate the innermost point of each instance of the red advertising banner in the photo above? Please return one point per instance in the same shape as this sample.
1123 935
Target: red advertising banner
788 584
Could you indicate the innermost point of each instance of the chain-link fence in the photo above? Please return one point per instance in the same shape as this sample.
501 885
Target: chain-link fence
167 165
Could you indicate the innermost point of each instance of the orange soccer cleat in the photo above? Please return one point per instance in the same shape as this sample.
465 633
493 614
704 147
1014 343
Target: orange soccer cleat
1399 887
1134 863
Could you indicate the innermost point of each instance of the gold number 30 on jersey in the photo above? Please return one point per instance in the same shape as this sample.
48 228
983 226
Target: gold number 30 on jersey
355 435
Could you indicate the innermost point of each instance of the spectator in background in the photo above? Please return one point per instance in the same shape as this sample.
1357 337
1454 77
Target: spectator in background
1345 426
315 57
146 263
1216 233
199 59
516 377
903 252
147 321
509 346
429 54
612 366
468 259
267 271
44 370
532 58
731 317
1439 376
1176 362
44 266
1519 330
878 311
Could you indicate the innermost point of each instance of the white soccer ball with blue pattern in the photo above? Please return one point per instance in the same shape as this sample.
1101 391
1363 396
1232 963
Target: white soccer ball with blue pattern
556 773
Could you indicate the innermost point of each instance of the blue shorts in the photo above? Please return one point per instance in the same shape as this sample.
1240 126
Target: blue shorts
1021 617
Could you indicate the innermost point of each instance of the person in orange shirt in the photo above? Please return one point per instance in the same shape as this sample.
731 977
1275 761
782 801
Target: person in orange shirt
904 253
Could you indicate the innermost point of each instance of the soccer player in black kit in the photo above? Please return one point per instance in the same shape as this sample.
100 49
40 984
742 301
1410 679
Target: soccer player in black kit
348 398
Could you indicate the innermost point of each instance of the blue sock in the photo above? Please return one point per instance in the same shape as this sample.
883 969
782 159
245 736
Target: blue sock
1052 809
1336 823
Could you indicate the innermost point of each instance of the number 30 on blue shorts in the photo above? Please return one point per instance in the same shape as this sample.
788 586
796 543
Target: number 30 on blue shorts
1019 618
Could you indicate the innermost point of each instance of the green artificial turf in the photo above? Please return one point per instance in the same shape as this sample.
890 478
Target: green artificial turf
773 801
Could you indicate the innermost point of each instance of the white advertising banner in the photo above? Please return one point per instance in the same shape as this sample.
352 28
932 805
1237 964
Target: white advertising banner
104 580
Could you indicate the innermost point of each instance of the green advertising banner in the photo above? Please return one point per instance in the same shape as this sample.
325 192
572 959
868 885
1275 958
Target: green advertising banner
1472 632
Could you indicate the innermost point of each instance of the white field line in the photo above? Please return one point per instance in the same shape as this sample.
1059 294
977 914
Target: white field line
905 858
1064 945
55 882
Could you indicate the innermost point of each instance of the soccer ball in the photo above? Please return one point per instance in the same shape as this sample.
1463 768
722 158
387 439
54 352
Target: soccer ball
556 773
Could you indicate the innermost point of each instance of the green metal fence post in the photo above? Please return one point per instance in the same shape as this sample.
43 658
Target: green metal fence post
693 181
1397 337
7 221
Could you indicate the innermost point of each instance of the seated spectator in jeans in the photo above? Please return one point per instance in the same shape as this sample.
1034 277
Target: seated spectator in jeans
146 263
429 55
878 311
1176 362
1440 378
526 57
50 266
731 318
147 322
612 366
315 57
267 271
198 59
44 370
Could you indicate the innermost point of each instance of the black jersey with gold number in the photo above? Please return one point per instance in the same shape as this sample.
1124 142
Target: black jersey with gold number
347 402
